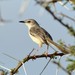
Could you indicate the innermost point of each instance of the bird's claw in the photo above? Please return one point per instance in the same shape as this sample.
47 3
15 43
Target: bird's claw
46 53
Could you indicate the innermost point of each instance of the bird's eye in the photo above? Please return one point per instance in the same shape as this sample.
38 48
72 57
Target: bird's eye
29 21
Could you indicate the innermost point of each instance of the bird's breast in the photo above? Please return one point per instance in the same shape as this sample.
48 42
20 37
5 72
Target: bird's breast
36 39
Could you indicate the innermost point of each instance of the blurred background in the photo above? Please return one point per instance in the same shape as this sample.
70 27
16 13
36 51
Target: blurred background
14 38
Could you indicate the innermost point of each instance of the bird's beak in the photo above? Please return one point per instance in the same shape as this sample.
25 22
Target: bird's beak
22 21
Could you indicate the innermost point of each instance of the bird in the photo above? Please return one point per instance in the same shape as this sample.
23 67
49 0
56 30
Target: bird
40 36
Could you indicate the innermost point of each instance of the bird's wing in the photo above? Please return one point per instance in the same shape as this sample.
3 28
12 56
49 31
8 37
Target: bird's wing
47 34
41 33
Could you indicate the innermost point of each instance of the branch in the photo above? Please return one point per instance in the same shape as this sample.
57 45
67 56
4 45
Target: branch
60 21
67 16
13 71
71 29
47 8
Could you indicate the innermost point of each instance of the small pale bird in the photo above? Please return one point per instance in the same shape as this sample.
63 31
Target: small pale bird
37 33
40 35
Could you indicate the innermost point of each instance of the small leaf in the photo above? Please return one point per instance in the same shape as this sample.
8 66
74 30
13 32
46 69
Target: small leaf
71 67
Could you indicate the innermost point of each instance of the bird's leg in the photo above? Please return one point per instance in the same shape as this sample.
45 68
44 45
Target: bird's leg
46 52
40 45
36 51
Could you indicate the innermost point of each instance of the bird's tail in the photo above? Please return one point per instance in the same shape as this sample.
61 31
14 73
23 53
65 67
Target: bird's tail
59 47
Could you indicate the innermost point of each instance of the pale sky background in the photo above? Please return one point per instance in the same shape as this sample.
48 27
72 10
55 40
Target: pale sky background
15 41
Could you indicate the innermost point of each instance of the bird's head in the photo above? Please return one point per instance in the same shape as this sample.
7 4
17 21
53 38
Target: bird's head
30 23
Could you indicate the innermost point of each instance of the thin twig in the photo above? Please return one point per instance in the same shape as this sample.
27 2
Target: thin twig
18 61
45 66
67 16
11 57
5 68
31 52
61 67
24 68
58 66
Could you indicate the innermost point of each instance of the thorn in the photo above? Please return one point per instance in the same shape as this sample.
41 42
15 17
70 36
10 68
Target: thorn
31 52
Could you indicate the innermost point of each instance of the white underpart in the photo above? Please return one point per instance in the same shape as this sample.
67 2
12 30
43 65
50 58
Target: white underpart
36 40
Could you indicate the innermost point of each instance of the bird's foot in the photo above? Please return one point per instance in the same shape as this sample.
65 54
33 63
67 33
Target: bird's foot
46 53
34 57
